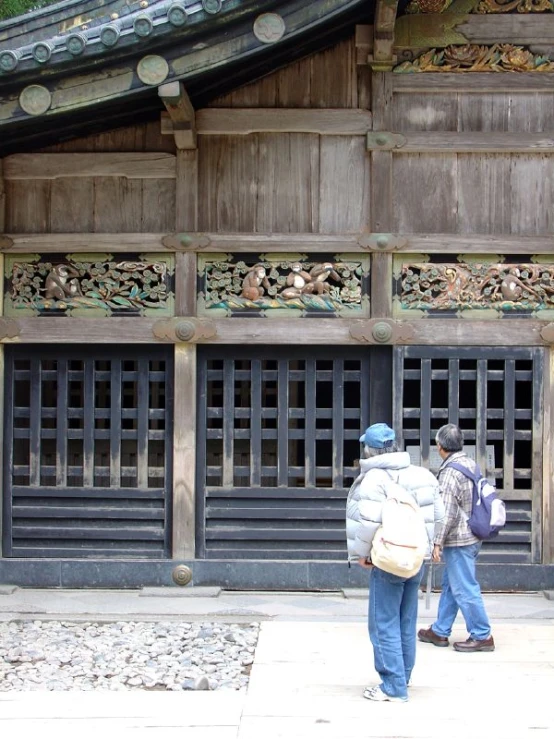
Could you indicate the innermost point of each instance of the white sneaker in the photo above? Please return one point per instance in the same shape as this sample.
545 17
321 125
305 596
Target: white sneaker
376 694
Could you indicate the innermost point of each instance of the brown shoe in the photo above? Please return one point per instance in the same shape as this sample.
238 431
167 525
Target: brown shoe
475 645
429 636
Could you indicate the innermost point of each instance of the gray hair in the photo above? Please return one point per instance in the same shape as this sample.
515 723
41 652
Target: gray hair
371 451
450 438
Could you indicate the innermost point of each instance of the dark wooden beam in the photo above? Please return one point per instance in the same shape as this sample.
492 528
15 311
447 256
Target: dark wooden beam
181 111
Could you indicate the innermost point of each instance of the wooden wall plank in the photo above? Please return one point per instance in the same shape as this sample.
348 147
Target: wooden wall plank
72 205
326 121
484 194
287 193
158 205
227 183
117 204
28 206
531 200
476 82
475 142
332 84
426 113
184 451
134 165
344 185
425 193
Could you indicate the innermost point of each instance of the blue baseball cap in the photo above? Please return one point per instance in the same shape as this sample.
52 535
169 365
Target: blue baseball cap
378 436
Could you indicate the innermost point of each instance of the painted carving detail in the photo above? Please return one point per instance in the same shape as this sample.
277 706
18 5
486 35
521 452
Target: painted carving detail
511 6
503 287
106 285
476 58
301 285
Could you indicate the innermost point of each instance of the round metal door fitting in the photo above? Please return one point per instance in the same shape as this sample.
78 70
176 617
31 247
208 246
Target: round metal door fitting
182 575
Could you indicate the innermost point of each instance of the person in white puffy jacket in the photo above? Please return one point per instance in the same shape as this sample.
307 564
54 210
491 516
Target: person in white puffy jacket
393 600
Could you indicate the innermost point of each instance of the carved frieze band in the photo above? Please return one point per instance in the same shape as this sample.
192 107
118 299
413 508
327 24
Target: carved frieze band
480 6
89 285
452 288
283 284
477 58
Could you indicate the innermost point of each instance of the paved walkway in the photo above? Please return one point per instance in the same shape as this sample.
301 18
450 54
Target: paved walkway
312 662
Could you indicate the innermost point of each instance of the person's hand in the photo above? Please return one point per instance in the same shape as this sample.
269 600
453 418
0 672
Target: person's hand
437 553
365 563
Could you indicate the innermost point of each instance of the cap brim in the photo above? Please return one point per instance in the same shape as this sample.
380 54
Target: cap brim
362 439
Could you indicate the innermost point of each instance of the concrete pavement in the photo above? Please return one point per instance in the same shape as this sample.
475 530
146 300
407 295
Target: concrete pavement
312 661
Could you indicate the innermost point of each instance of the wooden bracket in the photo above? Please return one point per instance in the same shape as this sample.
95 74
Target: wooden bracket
384 141
181 112
382 59
184 329
382 241
185 242
382 331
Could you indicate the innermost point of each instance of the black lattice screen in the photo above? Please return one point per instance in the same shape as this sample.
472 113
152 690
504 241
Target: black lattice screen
88 442
281 434
495 396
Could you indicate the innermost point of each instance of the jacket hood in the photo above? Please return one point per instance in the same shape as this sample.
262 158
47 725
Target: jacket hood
391 461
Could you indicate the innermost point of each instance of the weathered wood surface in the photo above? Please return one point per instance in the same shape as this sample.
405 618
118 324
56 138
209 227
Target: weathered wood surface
477 243
181 113
132 165
475 82
472 142
473 193
381 208
344 189
186 219
323 80
260 183
383 33
547 511
2 200
528 29
184 453
454 332
140 137
324 121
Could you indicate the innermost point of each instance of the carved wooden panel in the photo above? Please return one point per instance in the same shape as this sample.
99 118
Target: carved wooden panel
283 284
433 286
88 285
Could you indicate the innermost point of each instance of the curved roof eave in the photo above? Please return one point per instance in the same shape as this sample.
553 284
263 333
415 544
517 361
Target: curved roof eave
222 51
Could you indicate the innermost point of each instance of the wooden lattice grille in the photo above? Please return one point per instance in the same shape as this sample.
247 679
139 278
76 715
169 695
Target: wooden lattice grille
281 437
495 396
87 435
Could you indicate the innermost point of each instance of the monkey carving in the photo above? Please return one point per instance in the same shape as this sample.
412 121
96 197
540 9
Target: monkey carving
62 283
512 287
319 274
254 283
297 280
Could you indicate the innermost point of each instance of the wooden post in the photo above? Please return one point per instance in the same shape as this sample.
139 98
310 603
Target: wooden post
2 373
184 451
184 448
548 463
381 197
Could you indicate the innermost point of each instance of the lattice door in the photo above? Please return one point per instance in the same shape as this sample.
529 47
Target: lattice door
495 396
87 452
278 436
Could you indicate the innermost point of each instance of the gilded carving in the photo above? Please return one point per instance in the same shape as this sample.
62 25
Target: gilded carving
453 287
476 58
510 6
428 6
138 285
289 283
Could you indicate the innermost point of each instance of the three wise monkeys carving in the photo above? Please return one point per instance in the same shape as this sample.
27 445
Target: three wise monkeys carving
299 281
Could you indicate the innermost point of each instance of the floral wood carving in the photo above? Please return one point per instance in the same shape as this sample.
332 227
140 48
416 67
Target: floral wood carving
428 6
511 6
137 285
453 287
476 58
258 285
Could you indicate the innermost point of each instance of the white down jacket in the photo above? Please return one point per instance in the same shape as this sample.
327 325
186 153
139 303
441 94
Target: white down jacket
367 494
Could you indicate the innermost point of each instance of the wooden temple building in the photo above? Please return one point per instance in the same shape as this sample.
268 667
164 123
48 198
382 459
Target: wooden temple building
233 233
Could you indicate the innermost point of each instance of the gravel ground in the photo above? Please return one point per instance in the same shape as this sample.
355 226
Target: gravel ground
126 655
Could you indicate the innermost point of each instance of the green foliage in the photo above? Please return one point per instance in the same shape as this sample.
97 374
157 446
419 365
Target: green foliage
12 8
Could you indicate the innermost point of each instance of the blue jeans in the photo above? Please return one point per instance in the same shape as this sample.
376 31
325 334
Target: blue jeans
460 590
392 628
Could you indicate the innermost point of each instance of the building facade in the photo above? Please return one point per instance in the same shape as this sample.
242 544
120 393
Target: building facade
233 234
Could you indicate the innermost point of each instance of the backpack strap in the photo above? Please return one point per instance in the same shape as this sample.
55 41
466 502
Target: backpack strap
473 476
